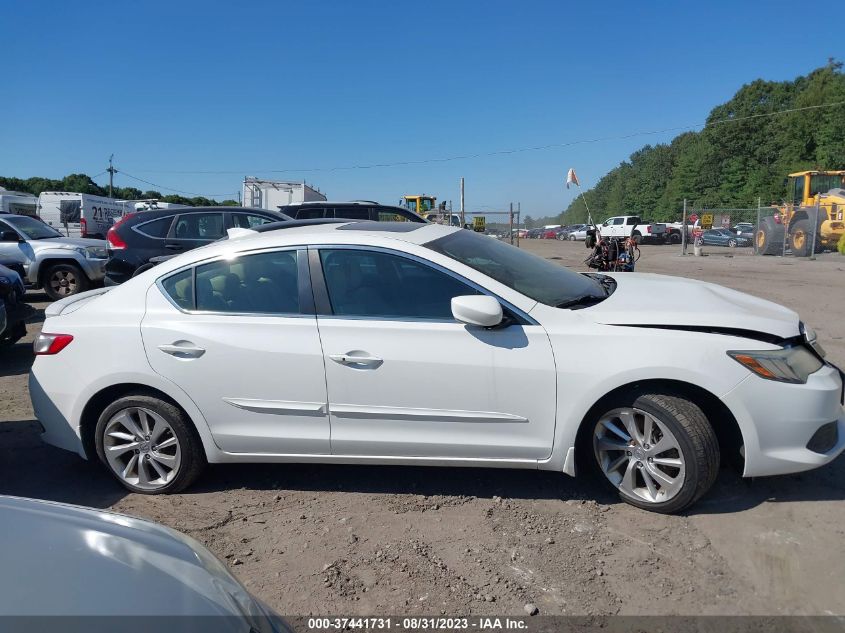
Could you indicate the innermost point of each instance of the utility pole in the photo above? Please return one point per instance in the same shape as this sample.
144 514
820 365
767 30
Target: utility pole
510 222
463 220
111 171
518 220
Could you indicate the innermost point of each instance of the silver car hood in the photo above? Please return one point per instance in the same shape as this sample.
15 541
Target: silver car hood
659 300
67 242
60 559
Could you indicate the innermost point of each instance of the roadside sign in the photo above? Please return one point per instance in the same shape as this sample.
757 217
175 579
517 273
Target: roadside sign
726 221
693 217
478 224
707 220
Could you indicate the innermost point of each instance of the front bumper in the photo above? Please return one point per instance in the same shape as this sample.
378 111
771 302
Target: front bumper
94 269
779 420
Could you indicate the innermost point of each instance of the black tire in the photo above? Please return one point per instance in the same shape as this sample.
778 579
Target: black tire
800 238
143 268
769 237
192 455
699 447
675 238
63 280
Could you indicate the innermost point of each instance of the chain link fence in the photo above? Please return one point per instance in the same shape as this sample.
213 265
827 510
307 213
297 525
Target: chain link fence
761 230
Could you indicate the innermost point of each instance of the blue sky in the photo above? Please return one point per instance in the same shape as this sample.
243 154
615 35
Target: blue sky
249 87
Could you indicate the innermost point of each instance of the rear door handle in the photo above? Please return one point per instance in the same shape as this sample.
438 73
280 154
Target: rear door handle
173 247
350 359
182 351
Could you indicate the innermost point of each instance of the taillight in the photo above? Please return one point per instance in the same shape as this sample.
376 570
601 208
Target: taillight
49 344
115 241
83 227
648 228
777 218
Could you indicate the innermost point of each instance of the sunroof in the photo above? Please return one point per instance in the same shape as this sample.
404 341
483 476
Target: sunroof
386 227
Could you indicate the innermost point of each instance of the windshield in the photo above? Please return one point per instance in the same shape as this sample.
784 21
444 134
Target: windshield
33 229
528 274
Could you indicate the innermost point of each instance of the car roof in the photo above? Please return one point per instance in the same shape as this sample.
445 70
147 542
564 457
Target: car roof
315 232
158 213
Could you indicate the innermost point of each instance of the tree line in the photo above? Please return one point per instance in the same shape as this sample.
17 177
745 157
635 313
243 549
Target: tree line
736 158
82 183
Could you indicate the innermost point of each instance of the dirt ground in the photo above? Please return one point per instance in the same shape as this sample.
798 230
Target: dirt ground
389 540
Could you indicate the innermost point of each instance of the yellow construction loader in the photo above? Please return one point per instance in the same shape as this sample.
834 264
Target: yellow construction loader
794 222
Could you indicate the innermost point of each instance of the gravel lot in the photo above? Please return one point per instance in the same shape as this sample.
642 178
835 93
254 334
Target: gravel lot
385 540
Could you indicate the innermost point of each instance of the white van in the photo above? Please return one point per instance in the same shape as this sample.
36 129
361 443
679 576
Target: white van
81 214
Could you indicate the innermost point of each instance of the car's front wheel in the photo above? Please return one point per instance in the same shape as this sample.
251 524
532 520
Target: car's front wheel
657 450
64 280
149 445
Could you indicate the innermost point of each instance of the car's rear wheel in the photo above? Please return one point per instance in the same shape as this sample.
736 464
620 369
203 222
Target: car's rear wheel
64 280
657 450
149 445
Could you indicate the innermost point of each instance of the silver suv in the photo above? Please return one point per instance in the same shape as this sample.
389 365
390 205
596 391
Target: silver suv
61 265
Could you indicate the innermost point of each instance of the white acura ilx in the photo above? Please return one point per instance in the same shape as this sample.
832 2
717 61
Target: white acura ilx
399 343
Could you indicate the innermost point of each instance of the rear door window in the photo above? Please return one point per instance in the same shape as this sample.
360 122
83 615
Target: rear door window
204 227
310 214
352 213
263 283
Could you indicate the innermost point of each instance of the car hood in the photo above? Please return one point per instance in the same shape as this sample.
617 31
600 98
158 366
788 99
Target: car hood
60 559
68 242
647 299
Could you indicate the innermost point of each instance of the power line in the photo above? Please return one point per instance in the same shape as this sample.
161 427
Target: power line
187 193
503 151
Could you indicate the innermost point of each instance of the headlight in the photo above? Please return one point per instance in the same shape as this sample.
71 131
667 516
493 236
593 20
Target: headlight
791 364
812 340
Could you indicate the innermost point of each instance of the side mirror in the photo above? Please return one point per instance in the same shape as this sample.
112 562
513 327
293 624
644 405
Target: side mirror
477 310
9 236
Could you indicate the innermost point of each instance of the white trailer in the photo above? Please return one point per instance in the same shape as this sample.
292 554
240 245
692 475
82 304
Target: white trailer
18 202
81 214
272 194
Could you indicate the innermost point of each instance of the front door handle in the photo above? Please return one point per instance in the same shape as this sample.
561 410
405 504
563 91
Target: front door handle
354 359
185 350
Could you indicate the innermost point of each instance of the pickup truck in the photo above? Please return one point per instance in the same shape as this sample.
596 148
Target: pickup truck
632 226
46 259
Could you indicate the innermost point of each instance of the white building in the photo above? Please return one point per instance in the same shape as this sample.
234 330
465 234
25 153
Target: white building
272 194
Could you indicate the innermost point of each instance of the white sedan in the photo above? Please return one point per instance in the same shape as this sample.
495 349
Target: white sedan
344 342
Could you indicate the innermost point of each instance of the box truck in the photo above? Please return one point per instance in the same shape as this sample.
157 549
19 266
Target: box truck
81 214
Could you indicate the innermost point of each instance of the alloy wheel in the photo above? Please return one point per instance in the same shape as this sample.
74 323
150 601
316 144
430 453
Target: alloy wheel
639 455
64 282
141 448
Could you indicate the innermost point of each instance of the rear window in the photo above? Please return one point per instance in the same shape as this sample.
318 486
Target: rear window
156 228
